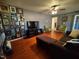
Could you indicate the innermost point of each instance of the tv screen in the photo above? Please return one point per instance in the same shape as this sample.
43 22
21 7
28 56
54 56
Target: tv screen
32 24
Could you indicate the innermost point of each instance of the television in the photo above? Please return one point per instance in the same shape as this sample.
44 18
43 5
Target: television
32 24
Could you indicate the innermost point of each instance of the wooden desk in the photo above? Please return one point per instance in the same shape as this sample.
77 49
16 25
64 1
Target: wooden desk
54 48
48 40
54 35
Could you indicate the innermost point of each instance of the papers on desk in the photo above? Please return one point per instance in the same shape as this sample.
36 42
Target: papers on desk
73 41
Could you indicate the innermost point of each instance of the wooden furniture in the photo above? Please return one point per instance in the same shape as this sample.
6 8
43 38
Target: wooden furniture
54 48
48 40
54 35
33 28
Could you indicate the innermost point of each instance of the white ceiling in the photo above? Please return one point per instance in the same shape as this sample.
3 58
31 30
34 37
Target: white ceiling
41 5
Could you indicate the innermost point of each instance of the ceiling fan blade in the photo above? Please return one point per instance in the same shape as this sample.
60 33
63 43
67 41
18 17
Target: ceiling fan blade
54 6
50 9
62 9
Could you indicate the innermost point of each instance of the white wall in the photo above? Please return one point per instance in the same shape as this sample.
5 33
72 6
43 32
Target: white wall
33 16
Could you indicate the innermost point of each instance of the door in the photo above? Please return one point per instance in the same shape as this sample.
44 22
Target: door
54 23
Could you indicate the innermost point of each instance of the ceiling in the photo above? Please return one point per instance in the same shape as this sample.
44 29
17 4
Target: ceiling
41 5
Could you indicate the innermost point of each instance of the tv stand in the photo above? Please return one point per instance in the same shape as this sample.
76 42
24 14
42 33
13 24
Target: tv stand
33 28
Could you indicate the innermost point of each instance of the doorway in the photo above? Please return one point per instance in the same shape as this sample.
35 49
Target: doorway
54 23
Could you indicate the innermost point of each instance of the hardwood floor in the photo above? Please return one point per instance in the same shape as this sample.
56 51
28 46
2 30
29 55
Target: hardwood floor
27 49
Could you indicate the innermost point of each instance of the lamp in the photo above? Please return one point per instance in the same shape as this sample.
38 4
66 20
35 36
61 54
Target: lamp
54 11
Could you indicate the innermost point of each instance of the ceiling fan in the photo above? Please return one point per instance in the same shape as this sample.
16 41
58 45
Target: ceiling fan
54 7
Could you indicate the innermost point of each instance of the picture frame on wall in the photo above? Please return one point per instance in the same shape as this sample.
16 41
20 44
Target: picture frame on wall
76 22
13 17
22 27
5 15
22 23
0 7
4 8
6 27
64 18
13 22
1 26
19 11
13 32
5 21
0 21
17 23
18 16
12 9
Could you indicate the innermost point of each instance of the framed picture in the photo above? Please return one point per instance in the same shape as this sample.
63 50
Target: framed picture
22 23
13 17
1 26
13 32
0 21
19 11
18 16
4 8
0 8
22 27
22 32
76 23
17 23
12 9
5 15
13 22
17 29
6 27
64 18
5 21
